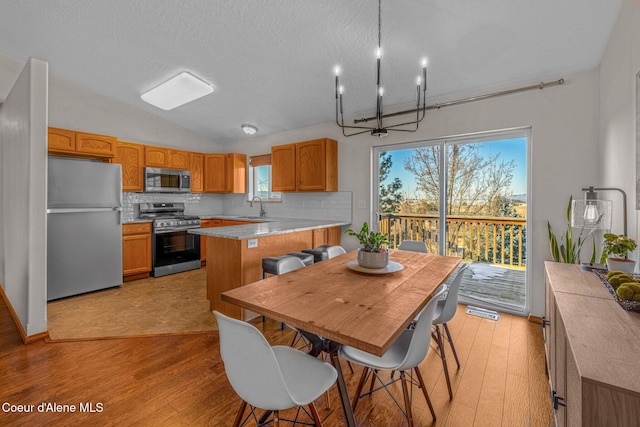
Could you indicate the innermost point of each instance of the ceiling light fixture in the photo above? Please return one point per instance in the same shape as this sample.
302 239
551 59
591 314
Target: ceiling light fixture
249 129
380 130
177 91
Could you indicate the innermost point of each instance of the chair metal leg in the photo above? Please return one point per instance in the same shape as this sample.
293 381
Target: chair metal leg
315 415
363 379
276 418
243 406
407 400
373 380
453 348
438 338
424 391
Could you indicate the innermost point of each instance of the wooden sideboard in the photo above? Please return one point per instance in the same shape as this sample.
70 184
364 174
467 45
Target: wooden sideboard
592 348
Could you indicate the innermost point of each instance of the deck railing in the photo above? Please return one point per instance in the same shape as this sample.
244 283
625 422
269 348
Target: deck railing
489 239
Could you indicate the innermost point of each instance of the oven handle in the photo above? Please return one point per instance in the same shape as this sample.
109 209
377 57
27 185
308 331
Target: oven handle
173 230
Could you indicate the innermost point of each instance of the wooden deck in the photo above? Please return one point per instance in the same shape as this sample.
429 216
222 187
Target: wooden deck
498 286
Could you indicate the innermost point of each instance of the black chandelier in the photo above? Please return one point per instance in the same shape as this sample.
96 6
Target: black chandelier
379 129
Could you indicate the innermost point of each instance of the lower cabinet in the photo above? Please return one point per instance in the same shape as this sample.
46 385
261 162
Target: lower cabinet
206 223
591 351
136 250
326 236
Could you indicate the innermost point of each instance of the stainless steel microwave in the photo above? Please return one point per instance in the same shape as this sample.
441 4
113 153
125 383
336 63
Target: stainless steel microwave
158 180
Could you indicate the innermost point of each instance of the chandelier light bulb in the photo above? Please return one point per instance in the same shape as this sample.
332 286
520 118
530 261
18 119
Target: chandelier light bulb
424 62
337 70
379 53
418 80
381 91
341 90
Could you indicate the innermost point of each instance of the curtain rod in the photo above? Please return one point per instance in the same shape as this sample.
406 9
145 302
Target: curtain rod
437 106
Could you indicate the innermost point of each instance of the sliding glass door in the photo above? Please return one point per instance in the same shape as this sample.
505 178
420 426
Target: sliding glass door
466 197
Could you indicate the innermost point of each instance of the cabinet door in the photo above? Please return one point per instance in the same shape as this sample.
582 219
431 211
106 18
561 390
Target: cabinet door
131 157
95 145
214 173
235 173
196 166
61 140
316 165
283 167
178 159
560 375
334 236
156 157
319 237
136 248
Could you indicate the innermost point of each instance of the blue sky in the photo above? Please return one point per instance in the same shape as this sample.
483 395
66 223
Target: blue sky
509 149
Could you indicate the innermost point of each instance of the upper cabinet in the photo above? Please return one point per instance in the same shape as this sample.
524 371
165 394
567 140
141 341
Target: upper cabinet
225 173
179 159
305 166
156 157
131 157
196 166
235 171
72 143
283 167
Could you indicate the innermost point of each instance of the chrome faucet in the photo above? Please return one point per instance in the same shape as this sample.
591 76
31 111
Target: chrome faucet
263 213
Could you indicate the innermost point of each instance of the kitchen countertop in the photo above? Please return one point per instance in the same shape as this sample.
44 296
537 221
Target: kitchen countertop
268 227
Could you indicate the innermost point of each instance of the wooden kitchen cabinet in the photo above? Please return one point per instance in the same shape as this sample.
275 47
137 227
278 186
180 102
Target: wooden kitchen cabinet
178 159
214 176
156 157
80 144
326 236
225 173
283 167
235 173
206 223
305 166
131 157
136 250
61 141
590 349
196 166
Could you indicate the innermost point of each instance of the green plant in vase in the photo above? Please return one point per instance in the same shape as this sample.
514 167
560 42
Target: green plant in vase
619 246
372 254
567 249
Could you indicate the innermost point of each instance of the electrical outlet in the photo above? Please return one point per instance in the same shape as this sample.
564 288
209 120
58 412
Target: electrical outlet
252 243
362 204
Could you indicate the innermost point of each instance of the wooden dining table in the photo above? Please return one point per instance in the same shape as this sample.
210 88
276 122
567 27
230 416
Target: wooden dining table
332 299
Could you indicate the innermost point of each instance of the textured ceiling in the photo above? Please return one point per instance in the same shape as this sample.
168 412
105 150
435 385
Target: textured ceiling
271 62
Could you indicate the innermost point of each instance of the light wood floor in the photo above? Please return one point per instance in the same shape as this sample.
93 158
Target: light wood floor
179 380
163 305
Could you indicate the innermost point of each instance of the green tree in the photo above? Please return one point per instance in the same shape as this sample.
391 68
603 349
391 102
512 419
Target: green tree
390 196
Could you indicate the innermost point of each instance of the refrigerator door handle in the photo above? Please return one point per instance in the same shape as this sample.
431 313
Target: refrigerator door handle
81 210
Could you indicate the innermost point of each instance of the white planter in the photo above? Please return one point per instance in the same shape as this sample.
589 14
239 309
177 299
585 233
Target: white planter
617 264
373 259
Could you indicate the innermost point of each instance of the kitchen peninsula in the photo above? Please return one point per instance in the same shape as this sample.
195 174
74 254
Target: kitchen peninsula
234 254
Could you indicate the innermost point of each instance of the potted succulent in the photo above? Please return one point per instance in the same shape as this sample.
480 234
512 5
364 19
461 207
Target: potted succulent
372 254
618 245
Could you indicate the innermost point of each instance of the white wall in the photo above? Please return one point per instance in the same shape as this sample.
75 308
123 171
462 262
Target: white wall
618 133
563 151
23 123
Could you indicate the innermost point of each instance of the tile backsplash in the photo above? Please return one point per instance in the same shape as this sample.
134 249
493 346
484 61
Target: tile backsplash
329 206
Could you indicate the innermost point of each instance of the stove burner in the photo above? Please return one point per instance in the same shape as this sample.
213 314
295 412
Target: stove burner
168 217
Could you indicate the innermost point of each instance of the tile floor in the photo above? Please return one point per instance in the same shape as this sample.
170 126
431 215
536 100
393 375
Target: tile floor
170 304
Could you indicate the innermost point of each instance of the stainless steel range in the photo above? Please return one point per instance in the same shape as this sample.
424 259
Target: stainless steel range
174 249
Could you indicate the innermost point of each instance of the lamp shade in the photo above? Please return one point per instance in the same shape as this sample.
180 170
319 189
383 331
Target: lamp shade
591 214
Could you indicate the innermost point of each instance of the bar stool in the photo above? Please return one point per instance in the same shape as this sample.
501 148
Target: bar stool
270 264
306 258
319 253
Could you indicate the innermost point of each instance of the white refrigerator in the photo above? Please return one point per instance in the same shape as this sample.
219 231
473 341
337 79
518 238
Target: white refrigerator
84 230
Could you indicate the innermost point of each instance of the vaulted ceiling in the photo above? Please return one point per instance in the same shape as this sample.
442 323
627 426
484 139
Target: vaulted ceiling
271 62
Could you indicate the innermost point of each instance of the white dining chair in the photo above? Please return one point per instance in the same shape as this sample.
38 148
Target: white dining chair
445 310
405 354
413 245
271 378
334 251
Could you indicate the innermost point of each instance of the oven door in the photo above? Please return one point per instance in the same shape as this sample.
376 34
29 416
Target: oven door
175 251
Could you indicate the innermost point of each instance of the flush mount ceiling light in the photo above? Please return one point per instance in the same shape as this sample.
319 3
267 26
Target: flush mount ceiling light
177 91
249 129
380 129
